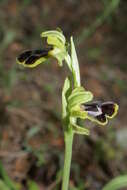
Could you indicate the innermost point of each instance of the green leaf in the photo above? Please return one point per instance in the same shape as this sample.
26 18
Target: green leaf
117 183
6 178
75 65
33 131
3 186
32 185
80 130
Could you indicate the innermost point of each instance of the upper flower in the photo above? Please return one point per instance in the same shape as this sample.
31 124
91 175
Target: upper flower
56 49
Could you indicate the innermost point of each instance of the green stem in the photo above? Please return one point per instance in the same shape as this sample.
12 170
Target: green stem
73 65
68 137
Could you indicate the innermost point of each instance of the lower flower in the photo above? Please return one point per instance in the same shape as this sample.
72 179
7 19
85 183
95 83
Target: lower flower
100 111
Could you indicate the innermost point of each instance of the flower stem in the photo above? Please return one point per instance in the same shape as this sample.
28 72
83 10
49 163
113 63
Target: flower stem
68 137
73 65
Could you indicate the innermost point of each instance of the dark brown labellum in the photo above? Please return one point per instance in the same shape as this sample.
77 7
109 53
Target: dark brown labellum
30 56
100 111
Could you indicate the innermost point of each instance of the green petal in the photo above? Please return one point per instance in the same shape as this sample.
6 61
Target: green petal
78 114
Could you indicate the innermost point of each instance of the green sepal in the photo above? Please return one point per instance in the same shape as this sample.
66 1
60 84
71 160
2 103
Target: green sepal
77 90
79 96
80 130
54 37
57 40
52 40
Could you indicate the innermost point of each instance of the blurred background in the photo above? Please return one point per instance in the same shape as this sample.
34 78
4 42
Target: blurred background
31 136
